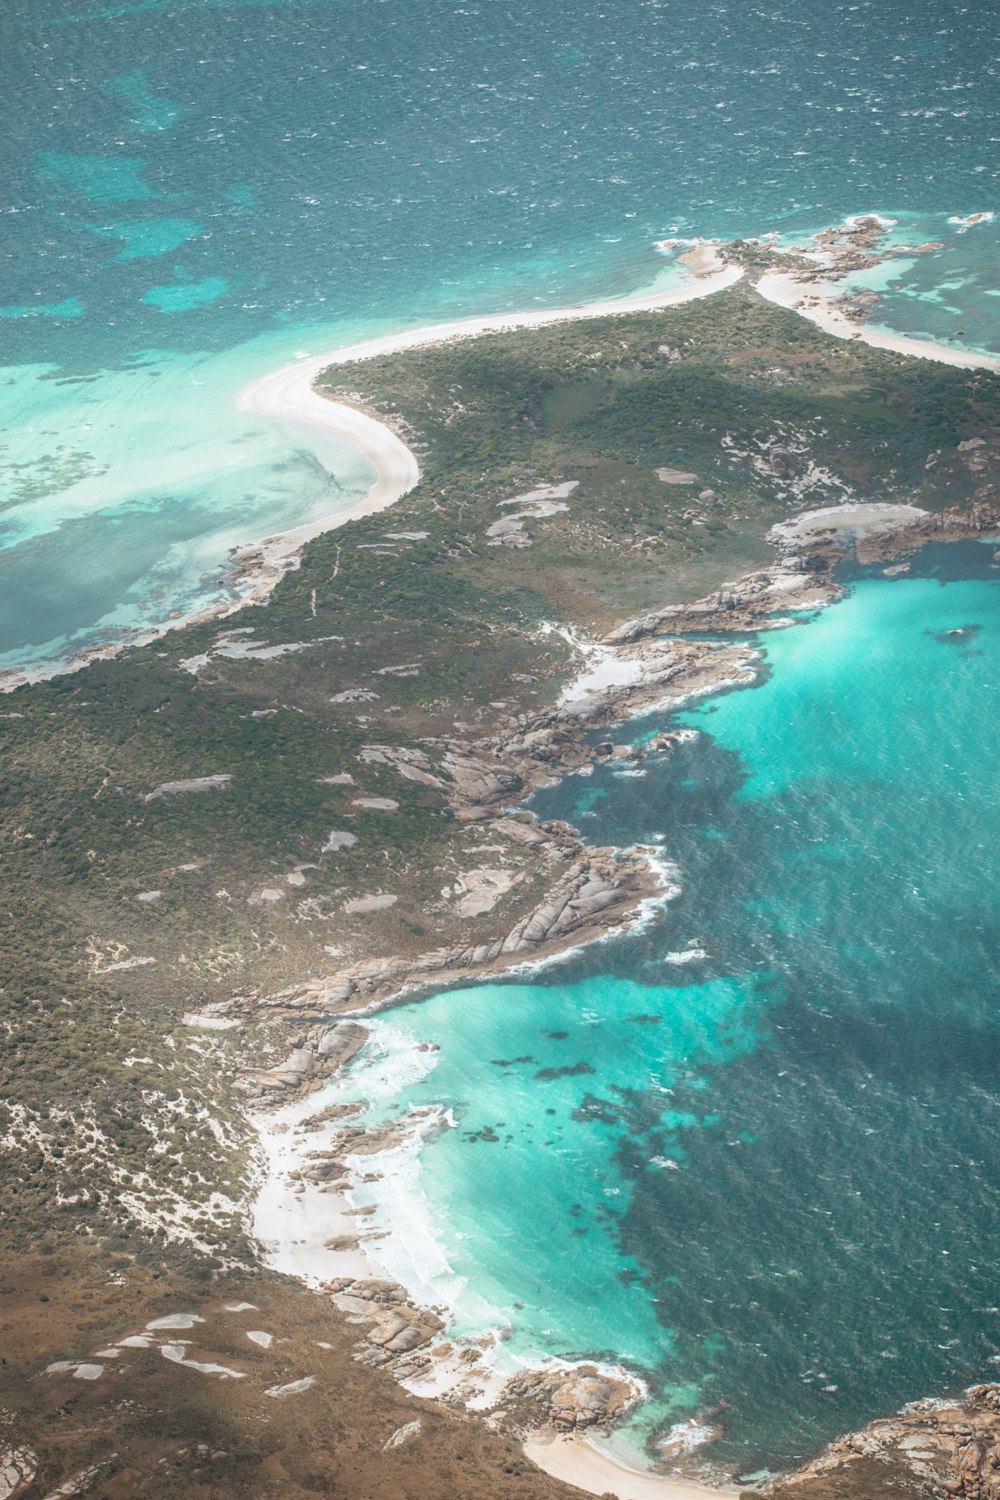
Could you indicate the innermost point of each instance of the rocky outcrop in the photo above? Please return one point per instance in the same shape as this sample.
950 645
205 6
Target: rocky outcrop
398 1329
746 604
571 1400
591 890
18 1467
852 246
479 782
316 1052
930 1448
887 532
595 892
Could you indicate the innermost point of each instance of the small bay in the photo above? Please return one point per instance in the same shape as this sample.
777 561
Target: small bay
763 1178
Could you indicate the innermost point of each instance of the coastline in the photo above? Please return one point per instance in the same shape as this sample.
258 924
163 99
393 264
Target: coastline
831 256
581 1463
633 692
288 393
787 290
325 1246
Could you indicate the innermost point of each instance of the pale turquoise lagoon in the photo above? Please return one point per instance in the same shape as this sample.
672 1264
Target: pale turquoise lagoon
776 1193
196 192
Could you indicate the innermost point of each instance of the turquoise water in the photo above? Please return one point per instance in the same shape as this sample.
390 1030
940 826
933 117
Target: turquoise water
766 1179
195 192
775 1193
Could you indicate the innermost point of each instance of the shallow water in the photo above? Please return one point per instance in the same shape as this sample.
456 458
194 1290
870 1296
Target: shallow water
775 1192
196 192
767 1179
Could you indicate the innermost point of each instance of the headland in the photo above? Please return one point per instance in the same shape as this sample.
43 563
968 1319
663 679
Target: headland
277 827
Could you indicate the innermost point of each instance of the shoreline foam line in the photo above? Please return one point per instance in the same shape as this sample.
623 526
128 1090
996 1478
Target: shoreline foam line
312 1230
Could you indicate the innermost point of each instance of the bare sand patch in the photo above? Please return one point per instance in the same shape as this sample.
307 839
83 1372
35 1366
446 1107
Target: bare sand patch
579 1462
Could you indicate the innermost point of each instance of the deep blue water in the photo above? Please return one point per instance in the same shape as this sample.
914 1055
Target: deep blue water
776 1194
765 1177
195 192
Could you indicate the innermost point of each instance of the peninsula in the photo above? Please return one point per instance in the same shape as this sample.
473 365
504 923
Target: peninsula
225 848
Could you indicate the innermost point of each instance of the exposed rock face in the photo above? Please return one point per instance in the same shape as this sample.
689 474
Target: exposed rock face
318 1051
744 605
590 889
930 1448
574 1399
785 462
479 781
18 1466
982 514
398 1329
583 1400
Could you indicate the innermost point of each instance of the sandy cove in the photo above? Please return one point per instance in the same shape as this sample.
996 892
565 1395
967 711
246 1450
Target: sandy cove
305 1215
581 1463
308 1223
287 394
787 289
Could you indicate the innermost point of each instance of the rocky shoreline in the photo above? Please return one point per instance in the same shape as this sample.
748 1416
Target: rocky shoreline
254 568
647 663
836 253
592 892
947 1448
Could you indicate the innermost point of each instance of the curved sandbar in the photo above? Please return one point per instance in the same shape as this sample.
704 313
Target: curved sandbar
785 289
288 393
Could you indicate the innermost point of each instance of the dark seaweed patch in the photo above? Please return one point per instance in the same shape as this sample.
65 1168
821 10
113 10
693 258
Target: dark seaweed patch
573 1072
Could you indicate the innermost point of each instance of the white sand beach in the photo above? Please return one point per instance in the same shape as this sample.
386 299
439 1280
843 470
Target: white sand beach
297 1221
579 1462
288 393
804 297
312 1230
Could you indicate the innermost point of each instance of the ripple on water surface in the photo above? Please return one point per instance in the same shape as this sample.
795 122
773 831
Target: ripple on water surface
764 1177
251 180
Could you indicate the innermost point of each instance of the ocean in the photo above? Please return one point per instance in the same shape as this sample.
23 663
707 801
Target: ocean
764 1178
195 193
751 1150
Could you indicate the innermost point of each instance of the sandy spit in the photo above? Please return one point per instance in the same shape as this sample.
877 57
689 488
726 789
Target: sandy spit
288 393
804 298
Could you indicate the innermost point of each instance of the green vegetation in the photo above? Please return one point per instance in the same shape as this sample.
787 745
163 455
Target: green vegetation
123 907
125 1151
